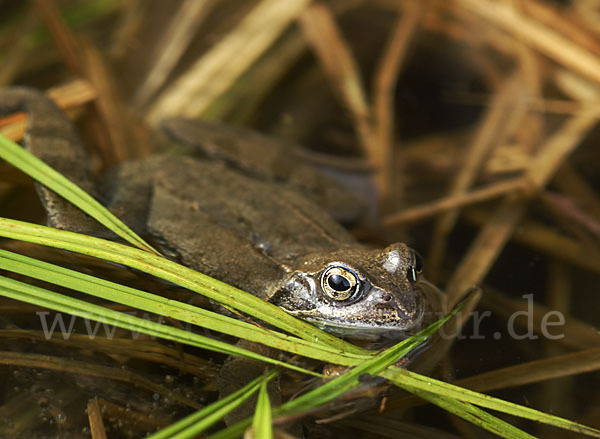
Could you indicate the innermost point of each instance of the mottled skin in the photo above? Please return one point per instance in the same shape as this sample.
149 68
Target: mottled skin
255 230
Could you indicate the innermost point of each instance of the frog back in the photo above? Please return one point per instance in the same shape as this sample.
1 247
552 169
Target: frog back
233 227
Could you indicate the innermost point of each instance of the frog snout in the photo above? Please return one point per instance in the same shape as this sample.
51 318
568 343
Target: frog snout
388 303
384 300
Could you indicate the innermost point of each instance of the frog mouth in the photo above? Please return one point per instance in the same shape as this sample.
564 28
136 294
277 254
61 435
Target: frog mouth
363 331
369 327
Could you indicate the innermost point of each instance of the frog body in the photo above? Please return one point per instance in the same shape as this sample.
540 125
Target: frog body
316 176
261 235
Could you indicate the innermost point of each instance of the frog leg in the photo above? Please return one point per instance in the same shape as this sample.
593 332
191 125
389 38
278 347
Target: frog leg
51 137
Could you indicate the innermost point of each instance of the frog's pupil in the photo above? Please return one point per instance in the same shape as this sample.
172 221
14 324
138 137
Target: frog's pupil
338 282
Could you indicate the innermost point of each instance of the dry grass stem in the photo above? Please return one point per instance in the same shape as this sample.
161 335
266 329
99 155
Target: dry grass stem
556 393
492 238
485 248
64 39
174 41
565 25
469 110
574 363
148 421
546 240
111 129
124 349
539 104
386 76
586 14
373 123
575 87
68 96
257 83
321 31
97 429
73 94
125 33
387 427
456 201
537 35
221 66
498 117
560 145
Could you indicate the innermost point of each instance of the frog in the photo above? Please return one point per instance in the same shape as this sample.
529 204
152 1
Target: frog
251 228
258 234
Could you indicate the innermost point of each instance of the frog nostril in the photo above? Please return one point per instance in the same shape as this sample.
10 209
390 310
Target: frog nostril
385 301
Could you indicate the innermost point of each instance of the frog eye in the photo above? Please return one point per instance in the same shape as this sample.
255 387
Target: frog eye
339 283
415 266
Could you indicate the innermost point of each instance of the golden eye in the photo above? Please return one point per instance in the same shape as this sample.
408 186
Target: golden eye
339 283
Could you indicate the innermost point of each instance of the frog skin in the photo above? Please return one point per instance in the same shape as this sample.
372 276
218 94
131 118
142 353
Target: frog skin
322 178
260 235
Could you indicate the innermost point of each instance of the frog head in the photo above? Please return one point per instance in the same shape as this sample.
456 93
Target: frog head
361 293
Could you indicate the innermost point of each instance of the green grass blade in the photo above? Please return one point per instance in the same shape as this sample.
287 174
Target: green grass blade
144 301
262 424
28 163
49 299
414 382
345 382
44 174
352 379
168 270
198 422
443 394
475 416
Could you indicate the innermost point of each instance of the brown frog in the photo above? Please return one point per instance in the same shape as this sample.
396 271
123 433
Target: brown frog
256 231
252 226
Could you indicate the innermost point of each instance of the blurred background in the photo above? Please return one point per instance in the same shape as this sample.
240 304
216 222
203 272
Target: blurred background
476 120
